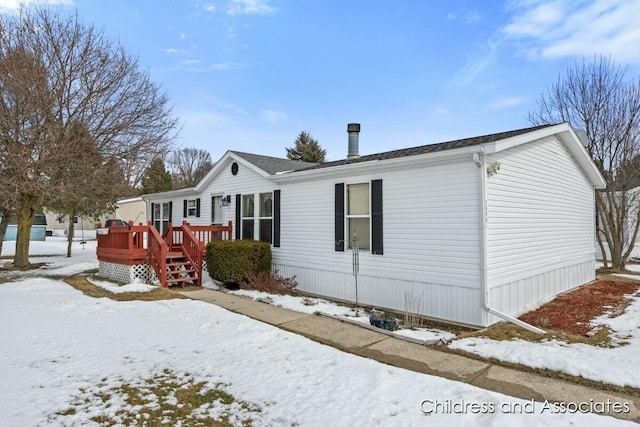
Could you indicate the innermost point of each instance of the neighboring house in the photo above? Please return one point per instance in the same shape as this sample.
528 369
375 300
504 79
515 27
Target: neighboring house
38 229
129 209
132 209
58 225
466 231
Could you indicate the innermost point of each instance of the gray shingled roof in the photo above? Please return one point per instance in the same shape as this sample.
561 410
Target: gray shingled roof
274 165
431 148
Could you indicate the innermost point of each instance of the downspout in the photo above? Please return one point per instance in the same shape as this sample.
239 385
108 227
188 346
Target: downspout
480 161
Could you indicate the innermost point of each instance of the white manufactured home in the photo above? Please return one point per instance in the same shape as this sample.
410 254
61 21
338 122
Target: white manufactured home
467 231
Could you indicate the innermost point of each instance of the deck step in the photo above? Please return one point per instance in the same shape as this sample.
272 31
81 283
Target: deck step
179 269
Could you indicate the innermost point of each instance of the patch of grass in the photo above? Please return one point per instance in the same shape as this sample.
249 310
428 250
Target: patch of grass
33 266
83 285
507 331
66 412
164 399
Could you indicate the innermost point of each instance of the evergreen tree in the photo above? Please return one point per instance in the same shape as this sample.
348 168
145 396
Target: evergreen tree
306 149
156 179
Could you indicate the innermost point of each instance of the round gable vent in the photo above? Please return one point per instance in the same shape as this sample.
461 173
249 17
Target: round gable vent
234 168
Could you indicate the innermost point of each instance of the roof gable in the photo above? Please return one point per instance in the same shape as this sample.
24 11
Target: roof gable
273 165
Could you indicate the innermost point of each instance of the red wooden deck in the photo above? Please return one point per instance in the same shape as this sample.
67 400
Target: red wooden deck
181 247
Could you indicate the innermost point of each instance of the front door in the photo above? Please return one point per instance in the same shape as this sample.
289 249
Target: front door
161 216
216 210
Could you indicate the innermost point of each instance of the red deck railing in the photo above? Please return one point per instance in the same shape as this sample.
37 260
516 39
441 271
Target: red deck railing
123 245
143 244
158 255
193 249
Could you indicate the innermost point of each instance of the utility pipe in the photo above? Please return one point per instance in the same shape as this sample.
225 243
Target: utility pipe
480 160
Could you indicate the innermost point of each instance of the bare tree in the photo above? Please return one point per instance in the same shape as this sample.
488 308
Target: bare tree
188 166
597 100
63 72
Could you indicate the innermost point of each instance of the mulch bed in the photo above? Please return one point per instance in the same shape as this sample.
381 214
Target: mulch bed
572 312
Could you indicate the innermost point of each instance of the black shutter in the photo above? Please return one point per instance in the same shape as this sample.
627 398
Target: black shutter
339 218
170 212
198 207
238 199
276 218
184 208
376 217
153 205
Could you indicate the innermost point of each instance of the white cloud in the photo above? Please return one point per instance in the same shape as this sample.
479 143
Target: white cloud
467 18
471 17
174 51
563 28
247 7
182 36
210 7
13 5
506 102
475 65
272 116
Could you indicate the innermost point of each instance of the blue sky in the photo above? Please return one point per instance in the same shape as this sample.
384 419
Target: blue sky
249 75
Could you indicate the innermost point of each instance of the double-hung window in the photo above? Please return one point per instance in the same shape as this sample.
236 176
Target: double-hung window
247 216
266 217
358 217
191 207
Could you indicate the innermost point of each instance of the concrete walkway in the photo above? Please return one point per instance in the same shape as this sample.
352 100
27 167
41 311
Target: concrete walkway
387 349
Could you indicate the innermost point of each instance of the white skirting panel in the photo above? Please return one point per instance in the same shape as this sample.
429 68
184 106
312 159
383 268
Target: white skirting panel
127 273
524 295
449 303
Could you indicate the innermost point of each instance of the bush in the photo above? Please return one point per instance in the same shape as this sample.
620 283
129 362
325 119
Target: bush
231 262
271 282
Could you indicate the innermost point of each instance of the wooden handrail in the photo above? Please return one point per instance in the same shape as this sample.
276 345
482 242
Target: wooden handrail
192 249
158 254
208 233
140 244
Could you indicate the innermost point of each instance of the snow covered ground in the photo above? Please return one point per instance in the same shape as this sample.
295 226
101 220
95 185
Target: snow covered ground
609 365
60 347
319 305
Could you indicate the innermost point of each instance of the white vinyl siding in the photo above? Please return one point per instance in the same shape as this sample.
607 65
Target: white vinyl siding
224 183
540 220
431 241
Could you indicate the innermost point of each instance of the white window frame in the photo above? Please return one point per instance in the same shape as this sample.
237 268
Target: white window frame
160 220
192 208
348 217
260 217
244 197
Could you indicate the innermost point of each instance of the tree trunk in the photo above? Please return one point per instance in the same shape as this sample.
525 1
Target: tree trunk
25 221
4 223
70 232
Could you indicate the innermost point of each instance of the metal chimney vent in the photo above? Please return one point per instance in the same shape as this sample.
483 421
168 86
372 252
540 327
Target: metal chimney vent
354 130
